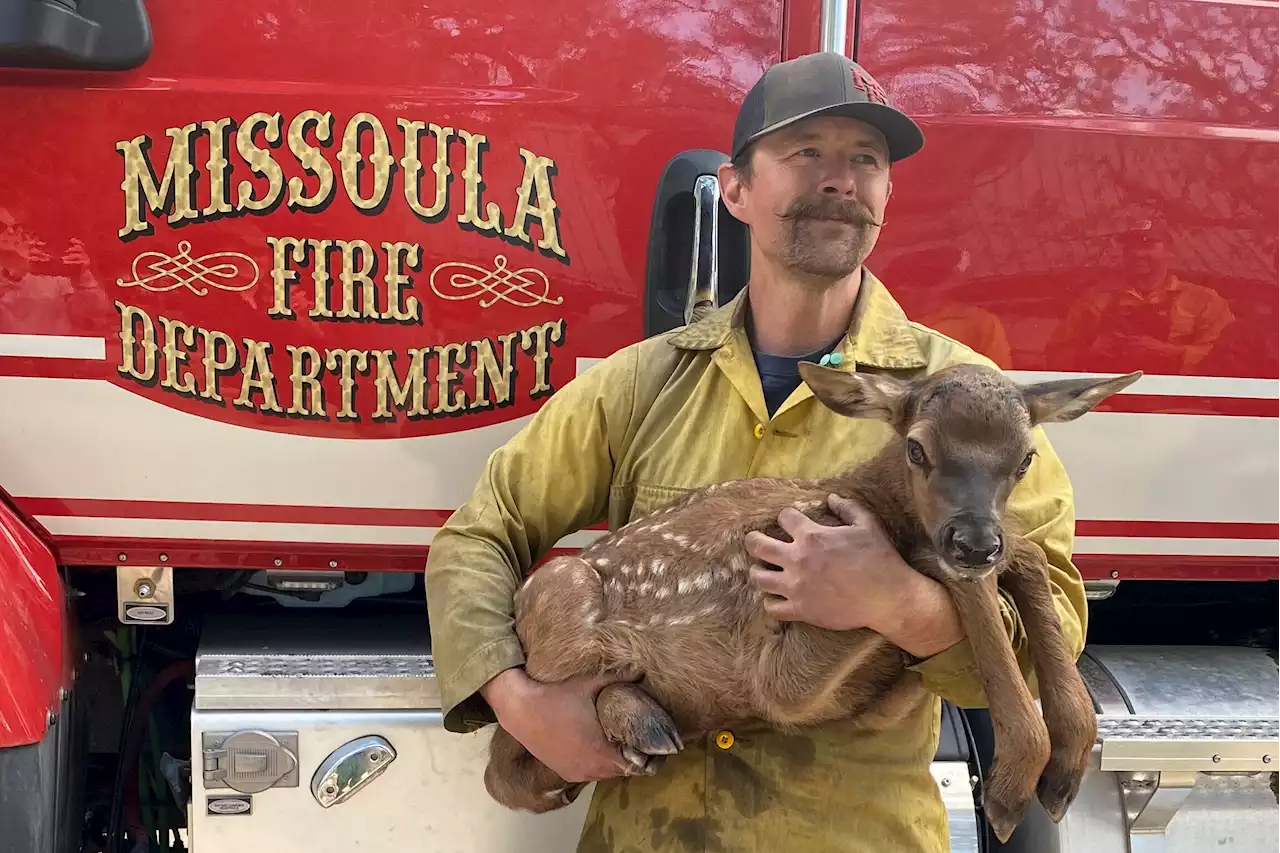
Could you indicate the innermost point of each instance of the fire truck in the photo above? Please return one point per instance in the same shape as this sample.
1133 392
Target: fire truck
275 279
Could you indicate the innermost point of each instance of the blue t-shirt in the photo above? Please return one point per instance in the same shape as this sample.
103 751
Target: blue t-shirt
780 375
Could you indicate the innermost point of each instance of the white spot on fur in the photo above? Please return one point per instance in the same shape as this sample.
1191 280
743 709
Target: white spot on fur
710 610
677 538
662 592
657 567
655 620
645 588
593 616
701 582
613 585
687 619
601 562
626 569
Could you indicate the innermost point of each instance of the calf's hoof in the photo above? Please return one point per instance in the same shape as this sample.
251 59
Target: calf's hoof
637 723
1059 784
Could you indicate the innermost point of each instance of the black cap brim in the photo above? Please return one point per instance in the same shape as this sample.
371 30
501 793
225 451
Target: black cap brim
902 135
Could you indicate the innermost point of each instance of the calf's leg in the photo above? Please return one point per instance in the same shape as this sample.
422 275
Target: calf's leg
1021 740
519 781
1068 708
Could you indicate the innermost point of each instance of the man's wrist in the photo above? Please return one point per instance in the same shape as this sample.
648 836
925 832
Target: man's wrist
503 692
926 621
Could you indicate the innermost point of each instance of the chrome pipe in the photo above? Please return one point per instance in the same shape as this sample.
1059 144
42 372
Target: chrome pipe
834 26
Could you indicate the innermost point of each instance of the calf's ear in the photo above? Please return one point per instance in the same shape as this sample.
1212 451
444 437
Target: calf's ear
855 395
1061 400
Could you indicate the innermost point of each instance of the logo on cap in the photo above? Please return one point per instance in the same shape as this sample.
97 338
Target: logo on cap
873 90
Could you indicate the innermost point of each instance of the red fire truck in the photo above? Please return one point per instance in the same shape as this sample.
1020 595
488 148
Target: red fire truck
276 278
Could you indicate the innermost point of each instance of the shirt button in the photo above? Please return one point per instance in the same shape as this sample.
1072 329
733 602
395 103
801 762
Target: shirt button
759 430
724 739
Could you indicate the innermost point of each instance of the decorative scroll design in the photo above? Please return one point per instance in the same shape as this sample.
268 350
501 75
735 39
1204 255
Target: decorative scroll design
524 288
218 270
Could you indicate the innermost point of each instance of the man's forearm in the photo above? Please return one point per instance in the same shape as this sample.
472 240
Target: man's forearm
927 622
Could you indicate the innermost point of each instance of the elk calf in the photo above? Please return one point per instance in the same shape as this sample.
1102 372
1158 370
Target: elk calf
665 603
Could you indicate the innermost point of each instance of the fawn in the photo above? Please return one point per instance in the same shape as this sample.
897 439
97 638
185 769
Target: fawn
665 602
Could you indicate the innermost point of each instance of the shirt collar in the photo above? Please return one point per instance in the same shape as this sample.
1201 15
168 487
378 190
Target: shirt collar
879 335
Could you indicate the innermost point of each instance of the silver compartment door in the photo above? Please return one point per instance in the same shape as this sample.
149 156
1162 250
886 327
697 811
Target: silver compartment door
429 799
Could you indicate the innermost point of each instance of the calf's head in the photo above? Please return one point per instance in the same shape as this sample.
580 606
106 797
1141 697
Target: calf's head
966 442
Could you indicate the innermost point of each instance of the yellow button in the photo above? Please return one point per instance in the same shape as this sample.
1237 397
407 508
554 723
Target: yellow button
759 430
724 740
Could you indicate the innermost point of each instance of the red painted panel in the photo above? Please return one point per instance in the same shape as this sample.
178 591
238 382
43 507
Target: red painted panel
540 290
1097 192
31 632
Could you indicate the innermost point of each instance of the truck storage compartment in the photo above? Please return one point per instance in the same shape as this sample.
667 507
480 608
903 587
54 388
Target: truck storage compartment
1185 759
327 737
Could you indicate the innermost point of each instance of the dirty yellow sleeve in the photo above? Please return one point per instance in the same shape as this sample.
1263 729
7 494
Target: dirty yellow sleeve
551 479
1042 509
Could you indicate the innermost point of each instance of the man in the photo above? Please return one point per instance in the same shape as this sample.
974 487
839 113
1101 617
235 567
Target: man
810 179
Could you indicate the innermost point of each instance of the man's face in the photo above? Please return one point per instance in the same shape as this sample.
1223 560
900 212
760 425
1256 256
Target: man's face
815 197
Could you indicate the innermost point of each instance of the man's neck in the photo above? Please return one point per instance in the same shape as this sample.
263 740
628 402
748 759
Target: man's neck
792 318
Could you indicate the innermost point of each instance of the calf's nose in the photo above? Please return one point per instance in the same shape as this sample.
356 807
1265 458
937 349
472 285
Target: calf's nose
974 546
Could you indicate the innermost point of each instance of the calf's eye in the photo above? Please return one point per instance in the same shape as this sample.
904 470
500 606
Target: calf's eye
1026 464
915 453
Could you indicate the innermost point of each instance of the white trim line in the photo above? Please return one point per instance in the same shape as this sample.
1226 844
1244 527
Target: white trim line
1158 385
53 346
259 531
1152 546
1171 386
369 534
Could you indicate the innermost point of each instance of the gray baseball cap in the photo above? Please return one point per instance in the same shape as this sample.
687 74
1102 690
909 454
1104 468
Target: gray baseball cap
822 84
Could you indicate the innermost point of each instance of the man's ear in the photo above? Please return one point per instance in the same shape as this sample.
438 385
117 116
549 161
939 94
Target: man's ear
855 395
1064 400
731 188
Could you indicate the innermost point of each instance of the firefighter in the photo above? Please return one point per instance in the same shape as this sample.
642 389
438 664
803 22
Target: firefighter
721 399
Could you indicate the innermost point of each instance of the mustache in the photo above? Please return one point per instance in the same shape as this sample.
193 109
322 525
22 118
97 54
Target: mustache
841 210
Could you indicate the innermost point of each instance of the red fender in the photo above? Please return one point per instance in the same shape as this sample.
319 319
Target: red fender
33 635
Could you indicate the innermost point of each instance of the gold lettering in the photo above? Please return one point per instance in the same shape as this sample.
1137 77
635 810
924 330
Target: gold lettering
381 160
472 179
174 356
320 277
345 360
219 189
310 158
389 389
260 161
257 375
537 177
451 399
490 373
540 339
400 255
281 275
350 275
412 167
306 378
128 341
141 193
212 364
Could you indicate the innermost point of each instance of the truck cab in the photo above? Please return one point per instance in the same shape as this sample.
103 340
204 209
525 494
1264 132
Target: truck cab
276 280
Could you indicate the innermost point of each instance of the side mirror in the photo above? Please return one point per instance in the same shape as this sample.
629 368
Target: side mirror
93 35
698 253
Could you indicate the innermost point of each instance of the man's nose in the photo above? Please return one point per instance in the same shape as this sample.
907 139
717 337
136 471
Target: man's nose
840 179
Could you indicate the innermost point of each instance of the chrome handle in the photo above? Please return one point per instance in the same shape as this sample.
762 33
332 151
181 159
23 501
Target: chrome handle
350 768
704 271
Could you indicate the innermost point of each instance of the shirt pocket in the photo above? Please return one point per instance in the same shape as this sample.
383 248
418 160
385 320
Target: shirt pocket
650 497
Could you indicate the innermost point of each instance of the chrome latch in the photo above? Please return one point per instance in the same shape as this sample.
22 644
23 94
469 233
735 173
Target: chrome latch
350 768
251 761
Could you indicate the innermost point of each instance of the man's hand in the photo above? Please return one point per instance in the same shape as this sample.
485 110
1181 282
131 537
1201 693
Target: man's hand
849 577
557 723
